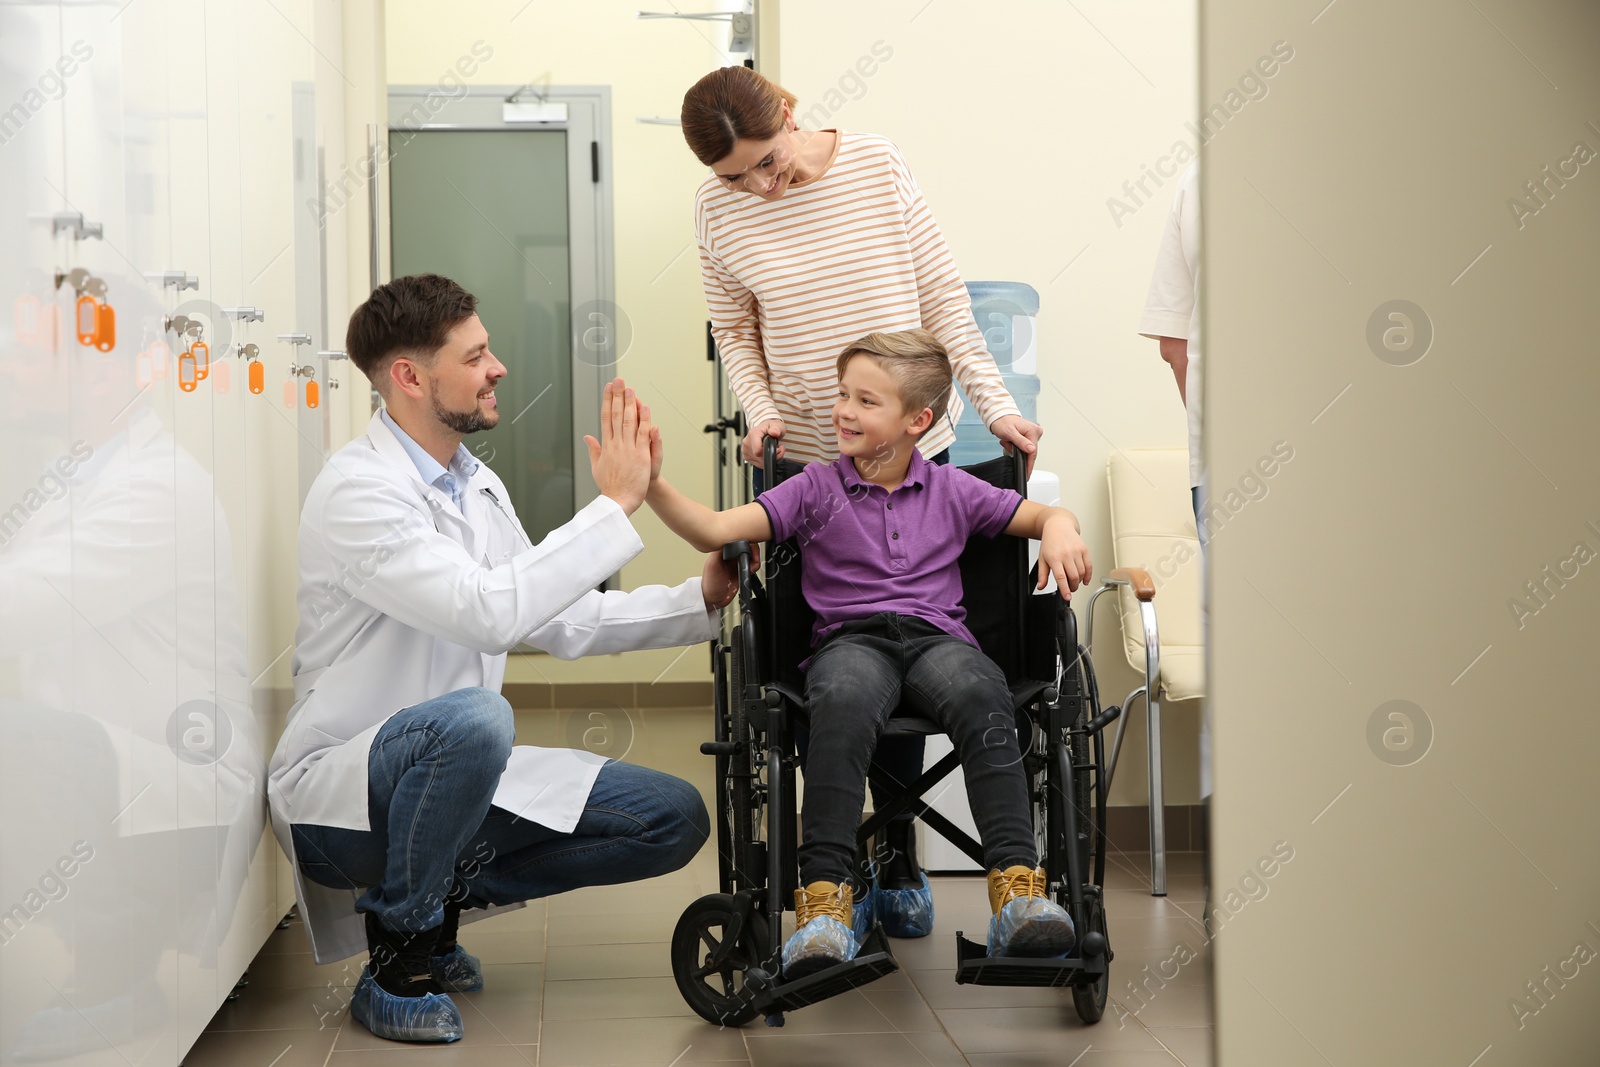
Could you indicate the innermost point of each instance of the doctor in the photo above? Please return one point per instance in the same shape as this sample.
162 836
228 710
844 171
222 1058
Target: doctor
396 789
1172 317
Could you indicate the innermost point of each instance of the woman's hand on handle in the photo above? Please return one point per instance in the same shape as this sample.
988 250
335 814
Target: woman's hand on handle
752 440
1016 431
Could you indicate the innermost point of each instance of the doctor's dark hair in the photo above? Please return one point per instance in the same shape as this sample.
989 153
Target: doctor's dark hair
728 105
409 316
915 359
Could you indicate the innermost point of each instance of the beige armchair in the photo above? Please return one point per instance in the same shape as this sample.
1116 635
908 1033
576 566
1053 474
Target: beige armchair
1156 548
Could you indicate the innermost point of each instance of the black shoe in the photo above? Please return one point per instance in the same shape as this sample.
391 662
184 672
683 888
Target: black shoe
897 856
904 900
401 961
454 968
445 942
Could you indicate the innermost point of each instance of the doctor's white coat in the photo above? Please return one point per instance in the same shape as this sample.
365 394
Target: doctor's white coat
404 598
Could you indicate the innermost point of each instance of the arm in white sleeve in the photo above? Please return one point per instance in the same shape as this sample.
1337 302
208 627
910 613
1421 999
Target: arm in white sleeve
652 616
373 529
1170 303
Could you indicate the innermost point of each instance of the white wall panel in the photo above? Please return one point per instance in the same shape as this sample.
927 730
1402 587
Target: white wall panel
146 567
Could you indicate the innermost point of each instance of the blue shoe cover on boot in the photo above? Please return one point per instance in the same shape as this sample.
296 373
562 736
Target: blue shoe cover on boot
430 1018
1031 926
864 915
906 912
821 943
458 972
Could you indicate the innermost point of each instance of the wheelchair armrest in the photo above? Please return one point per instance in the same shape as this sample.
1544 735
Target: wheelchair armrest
735 549
1144 587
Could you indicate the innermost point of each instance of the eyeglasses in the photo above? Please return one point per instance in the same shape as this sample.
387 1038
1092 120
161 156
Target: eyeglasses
758 179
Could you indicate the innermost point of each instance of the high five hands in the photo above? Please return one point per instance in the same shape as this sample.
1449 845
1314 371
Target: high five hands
627 458
621 460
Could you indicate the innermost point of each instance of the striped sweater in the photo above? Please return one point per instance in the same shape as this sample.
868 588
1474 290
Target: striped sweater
791 282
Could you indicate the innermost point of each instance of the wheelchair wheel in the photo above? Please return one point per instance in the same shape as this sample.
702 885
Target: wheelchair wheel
711 974
1085 826
1090 1000
741 812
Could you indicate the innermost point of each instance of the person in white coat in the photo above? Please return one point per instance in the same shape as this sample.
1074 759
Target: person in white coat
396 789
1172 318
1172 311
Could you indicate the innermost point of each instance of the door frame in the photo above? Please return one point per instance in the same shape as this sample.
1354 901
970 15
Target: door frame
592 267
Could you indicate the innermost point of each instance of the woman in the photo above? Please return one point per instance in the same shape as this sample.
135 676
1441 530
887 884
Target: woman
808 241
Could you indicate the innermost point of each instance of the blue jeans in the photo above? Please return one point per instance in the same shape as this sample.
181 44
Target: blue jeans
855 682
431 776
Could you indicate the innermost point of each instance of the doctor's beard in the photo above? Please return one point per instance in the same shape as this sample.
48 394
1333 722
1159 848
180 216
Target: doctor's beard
465 422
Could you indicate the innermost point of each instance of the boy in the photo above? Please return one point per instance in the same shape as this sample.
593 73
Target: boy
882 530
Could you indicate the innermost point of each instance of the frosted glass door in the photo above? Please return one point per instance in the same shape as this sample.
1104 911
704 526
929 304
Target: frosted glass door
489 209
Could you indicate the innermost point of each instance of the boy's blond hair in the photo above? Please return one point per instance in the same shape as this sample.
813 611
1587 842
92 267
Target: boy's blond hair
916 361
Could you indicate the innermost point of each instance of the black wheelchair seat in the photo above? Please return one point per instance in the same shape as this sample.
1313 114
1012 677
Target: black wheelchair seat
904 723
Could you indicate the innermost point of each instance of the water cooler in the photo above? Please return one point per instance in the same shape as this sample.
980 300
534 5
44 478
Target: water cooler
1007 313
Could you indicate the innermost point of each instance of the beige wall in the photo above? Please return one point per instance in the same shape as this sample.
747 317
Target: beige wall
1421 898
647 65
1019 130
1019 134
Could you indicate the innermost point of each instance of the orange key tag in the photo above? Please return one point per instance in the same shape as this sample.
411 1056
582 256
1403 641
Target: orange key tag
288 393
221 377
202 357
258 376
105 328
159 353
88 319
313 393
187 376
143 374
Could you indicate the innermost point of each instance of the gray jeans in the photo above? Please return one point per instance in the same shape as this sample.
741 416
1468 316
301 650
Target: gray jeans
855 682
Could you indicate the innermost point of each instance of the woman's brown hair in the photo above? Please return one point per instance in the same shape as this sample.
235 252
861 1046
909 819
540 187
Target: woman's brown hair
728 105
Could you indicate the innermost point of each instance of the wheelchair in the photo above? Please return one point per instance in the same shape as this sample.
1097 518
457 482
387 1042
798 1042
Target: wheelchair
726 946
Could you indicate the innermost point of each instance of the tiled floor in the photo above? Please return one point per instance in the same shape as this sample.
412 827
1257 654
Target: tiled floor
585 978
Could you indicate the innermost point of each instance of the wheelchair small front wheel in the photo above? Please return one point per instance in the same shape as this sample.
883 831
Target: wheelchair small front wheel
1090 999
711 973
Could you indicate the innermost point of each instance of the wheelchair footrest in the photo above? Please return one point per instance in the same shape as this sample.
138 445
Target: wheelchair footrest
974 966
872 962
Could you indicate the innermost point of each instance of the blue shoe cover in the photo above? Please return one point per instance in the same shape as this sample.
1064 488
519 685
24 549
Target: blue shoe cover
906 912
864 915
430 1018
819 944
459 972
1031 926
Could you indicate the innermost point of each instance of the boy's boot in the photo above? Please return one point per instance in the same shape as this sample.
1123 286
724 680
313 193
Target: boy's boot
454 968
397 997
822 936
905 900
1026 921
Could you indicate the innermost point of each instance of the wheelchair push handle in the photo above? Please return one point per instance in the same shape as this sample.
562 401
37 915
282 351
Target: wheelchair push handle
745 554
769 457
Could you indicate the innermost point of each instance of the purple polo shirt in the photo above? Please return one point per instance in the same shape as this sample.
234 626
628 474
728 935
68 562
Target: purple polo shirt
868 550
